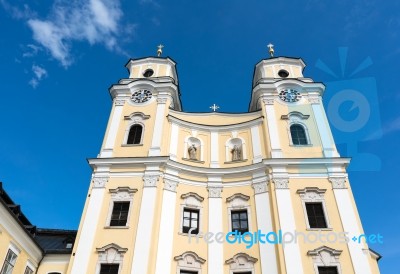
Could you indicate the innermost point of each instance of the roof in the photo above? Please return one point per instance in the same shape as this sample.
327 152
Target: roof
56 241
50 241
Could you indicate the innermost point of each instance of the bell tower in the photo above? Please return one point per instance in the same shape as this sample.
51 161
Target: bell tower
282 92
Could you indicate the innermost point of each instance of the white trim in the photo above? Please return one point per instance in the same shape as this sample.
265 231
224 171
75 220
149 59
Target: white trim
214 147
89 226
287 222
215 250
165 239
276 151
155 149
173 147
215 128
350 225
115 120
144 241
325 133
268 259
256 142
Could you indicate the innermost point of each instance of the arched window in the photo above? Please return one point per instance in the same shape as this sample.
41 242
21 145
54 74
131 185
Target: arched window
298 135
135 135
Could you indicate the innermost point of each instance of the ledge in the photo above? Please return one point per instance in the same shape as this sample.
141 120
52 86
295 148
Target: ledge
236 161
194 161
131 145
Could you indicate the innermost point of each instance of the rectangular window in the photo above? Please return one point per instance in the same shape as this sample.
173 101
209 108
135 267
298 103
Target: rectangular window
109 269
119 216
9 262
327 270
188 272
28 270
316 216
247 272
190 221
240 221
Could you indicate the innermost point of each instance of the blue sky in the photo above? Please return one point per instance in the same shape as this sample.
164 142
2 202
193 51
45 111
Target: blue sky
58 59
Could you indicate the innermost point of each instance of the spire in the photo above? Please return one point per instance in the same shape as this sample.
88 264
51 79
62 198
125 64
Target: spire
159 51
271 49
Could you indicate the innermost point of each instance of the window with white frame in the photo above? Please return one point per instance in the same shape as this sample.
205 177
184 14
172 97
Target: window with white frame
298 134
241 263
135 130
325 260
191 213
28 270
239 213
120 206
110 259
135 135
10 259
189 263
314 207
297 128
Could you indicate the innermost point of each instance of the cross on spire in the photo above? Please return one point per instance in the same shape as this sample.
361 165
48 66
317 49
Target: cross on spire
214 107
271 49
159 51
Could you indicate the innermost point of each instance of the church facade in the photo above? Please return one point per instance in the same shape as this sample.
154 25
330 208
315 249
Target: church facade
262 192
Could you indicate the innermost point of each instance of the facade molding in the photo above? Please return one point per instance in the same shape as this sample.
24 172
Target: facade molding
338 182
214 128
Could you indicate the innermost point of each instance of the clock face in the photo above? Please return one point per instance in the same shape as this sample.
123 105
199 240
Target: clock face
141 96
289 95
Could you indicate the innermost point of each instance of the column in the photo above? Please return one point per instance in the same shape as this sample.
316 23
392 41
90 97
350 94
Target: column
92 215
173 148
325 133
155 149
144 230
276 151
349 219
291 251
215 250
166 236
214 149
268 257
255 140
115 120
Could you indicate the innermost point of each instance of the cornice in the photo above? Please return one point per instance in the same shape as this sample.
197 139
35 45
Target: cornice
164 161
217 128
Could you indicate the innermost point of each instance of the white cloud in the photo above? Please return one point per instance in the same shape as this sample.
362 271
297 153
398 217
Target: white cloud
93 21
31 50
17 13
39 74
388 128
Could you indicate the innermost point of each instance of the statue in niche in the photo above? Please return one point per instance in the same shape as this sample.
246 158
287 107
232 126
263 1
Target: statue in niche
236 153
192 152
